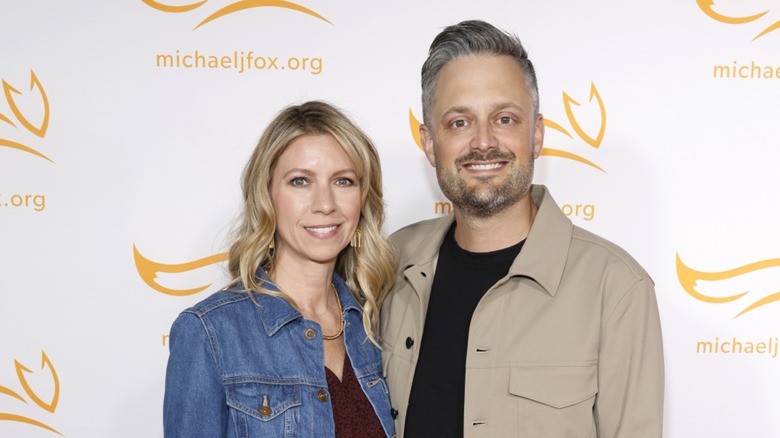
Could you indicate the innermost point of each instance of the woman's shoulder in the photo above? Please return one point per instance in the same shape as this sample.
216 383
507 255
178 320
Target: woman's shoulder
224 300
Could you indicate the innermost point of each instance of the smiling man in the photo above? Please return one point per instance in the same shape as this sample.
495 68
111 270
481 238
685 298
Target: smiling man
506 320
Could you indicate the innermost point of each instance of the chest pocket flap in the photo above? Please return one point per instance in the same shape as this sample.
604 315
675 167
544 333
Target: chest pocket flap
555 386
263 401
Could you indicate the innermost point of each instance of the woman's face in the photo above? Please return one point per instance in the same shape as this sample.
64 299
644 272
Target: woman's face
316 195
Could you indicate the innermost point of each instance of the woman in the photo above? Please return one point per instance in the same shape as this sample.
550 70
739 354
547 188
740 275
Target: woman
290 348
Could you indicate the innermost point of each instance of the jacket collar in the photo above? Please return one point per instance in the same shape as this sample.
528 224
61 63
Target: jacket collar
276 312
544 254
428 248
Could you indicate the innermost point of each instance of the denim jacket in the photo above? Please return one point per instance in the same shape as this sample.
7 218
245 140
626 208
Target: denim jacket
240 370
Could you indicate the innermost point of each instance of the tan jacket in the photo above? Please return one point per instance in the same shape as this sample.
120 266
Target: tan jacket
568 344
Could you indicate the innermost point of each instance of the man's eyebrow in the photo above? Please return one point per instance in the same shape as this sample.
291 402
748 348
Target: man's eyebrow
506 105
463 109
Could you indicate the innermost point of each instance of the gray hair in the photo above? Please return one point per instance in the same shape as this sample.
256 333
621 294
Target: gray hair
473 37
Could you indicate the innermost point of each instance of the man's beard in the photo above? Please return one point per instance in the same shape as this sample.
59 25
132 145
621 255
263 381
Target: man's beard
483 199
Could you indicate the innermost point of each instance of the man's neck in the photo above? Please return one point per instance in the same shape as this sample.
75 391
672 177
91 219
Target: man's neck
501 230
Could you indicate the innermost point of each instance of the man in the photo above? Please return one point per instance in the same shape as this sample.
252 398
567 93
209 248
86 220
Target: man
505 319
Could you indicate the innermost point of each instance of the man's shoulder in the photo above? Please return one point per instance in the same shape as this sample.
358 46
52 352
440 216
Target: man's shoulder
599 248
415 233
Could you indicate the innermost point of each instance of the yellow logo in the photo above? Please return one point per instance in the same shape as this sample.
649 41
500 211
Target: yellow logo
593 141
569 103
414 125
39 130
731 280
149 269
48 406
708 7
234 7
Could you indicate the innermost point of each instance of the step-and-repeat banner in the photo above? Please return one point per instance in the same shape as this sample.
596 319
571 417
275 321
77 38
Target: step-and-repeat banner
124 127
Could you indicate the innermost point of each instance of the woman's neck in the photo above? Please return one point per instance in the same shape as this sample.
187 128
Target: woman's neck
309 287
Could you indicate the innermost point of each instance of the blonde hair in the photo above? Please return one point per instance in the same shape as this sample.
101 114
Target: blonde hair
368 271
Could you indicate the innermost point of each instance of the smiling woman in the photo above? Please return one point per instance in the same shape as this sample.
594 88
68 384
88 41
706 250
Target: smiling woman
285 346
316 194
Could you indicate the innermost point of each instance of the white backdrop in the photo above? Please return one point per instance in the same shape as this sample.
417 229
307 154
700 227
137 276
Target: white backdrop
123 133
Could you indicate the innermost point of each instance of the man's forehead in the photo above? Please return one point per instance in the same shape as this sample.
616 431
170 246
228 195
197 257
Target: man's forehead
473 61
485 82
473 70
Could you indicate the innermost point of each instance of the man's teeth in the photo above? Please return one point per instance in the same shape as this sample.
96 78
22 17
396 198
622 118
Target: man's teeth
485 166
322 230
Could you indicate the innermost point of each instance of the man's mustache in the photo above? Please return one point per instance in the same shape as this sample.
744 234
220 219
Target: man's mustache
475 156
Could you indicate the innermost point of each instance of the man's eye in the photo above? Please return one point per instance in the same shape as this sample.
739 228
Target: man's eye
505 120
458 123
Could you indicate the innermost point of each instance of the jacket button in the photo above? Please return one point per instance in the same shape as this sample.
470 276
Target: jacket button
409 342
265 410
393 413
322 395
309 334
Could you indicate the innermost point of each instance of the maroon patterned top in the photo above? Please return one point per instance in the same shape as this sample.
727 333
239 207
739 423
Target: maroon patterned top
352 412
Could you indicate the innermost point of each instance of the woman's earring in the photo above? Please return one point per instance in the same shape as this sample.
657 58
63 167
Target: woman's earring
356 241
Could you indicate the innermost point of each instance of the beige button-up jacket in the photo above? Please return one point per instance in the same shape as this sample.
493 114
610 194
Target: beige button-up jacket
567 344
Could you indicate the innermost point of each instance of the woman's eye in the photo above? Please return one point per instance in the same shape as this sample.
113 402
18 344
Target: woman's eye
298 181
345 182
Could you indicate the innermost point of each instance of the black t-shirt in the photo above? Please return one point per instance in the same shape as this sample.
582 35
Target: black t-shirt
462 278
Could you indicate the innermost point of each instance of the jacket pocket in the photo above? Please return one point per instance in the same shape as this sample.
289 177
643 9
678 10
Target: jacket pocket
555 400
261 409
555 386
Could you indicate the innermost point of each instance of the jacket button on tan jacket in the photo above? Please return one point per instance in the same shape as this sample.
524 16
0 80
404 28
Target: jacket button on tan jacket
409 342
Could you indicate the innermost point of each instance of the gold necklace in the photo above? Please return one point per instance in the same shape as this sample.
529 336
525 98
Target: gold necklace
341 324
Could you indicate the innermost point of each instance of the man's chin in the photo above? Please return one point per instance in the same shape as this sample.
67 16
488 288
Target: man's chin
491 179
486 201
485 192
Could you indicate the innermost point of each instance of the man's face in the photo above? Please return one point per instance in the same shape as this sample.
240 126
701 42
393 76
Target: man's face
484 135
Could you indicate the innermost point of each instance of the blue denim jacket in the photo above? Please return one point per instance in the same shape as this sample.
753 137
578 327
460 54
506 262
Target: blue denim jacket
229 357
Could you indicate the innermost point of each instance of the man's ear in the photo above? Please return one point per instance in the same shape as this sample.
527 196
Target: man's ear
426 138
538 135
